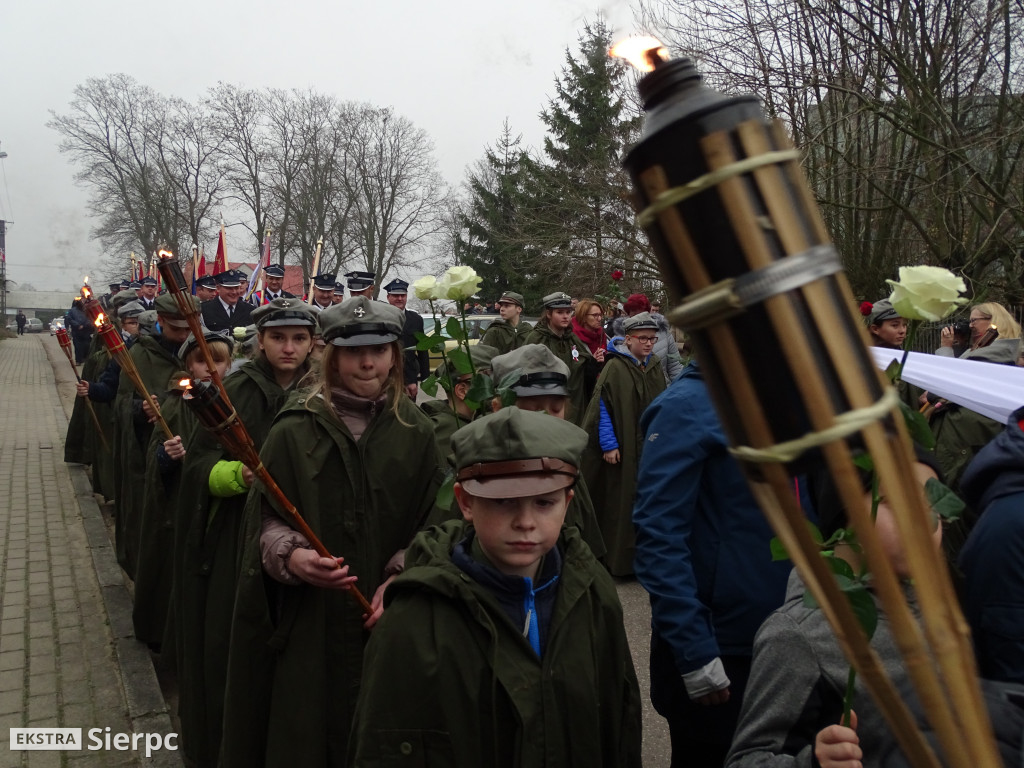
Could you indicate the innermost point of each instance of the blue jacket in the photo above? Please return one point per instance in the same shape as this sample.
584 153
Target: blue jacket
993 557
702 544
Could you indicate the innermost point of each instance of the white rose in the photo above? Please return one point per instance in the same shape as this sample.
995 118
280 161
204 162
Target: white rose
424 287
926 293
460 283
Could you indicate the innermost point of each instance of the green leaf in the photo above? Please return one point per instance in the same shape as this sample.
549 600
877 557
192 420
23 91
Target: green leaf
840 567
815 532
778 549
864 461
864 608
917 424
893 371
481 389
446 494
437 326
510 379
943 501
431 343
421 336
454 329
429 385
460 360
508 397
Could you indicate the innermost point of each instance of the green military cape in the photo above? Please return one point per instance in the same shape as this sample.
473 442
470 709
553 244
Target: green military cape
153 572
582 371
156 365
449 680
446 422
297 651
80 442
206 546
504 336
627 389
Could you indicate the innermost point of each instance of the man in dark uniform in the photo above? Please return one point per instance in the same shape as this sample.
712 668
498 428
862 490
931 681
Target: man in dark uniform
360 283
206 288
274 275
323 291
226 311
136 286
148 294
416 364
339 293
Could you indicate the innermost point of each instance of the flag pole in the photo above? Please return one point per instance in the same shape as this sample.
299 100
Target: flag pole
315 270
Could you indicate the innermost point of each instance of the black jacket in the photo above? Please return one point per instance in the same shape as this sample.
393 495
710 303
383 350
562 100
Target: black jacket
216 319
416 364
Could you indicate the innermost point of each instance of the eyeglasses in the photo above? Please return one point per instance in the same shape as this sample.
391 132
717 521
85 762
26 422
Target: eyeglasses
595 314
646 339
974 320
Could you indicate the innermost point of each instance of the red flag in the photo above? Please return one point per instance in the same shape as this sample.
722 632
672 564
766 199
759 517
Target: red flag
201 271
220 261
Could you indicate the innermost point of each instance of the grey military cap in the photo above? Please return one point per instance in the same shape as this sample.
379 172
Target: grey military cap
360 322
540 372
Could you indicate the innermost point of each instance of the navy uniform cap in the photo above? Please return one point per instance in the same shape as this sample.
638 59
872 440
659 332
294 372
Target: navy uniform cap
206 281
135 284
325 282
359 281
339 289
558 300
114 287
274 270
147 280
229 278
397 286
126 283
515 453
361 322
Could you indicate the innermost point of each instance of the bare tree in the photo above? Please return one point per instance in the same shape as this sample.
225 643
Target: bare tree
113 133
397 195
907 112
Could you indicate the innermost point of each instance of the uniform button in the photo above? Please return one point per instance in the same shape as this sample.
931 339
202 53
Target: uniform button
252 571
302 400
205 568
405 748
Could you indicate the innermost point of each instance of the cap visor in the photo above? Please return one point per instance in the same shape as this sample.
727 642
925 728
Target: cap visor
175 322
539 390
364 339
516 486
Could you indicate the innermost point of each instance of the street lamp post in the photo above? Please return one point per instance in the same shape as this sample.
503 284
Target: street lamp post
3 263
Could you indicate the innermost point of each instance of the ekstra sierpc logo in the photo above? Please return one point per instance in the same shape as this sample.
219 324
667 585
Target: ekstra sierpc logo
70 739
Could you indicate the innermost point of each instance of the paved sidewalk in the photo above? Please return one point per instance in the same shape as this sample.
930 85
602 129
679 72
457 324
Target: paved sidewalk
67 654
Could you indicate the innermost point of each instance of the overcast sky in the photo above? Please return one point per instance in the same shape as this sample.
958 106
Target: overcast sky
456 68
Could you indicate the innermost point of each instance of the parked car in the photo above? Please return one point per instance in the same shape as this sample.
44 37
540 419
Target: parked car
55 325
476 324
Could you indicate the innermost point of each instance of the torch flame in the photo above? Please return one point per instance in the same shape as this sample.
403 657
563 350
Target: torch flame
86 280
642 52
185 384
100 319
166 255
86 292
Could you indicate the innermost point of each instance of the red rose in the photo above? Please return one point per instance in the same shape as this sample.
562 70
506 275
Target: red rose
617 274
866 307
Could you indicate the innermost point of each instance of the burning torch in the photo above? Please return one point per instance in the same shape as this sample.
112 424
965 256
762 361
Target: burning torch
117 350
216 414
64 339
212 406
742 245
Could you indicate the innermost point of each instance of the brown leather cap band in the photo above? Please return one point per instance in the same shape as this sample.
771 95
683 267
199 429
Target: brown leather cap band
519 467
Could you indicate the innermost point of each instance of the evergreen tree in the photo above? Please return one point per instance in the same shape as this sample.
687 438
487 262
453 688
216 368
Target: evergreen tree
587 215
493 238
